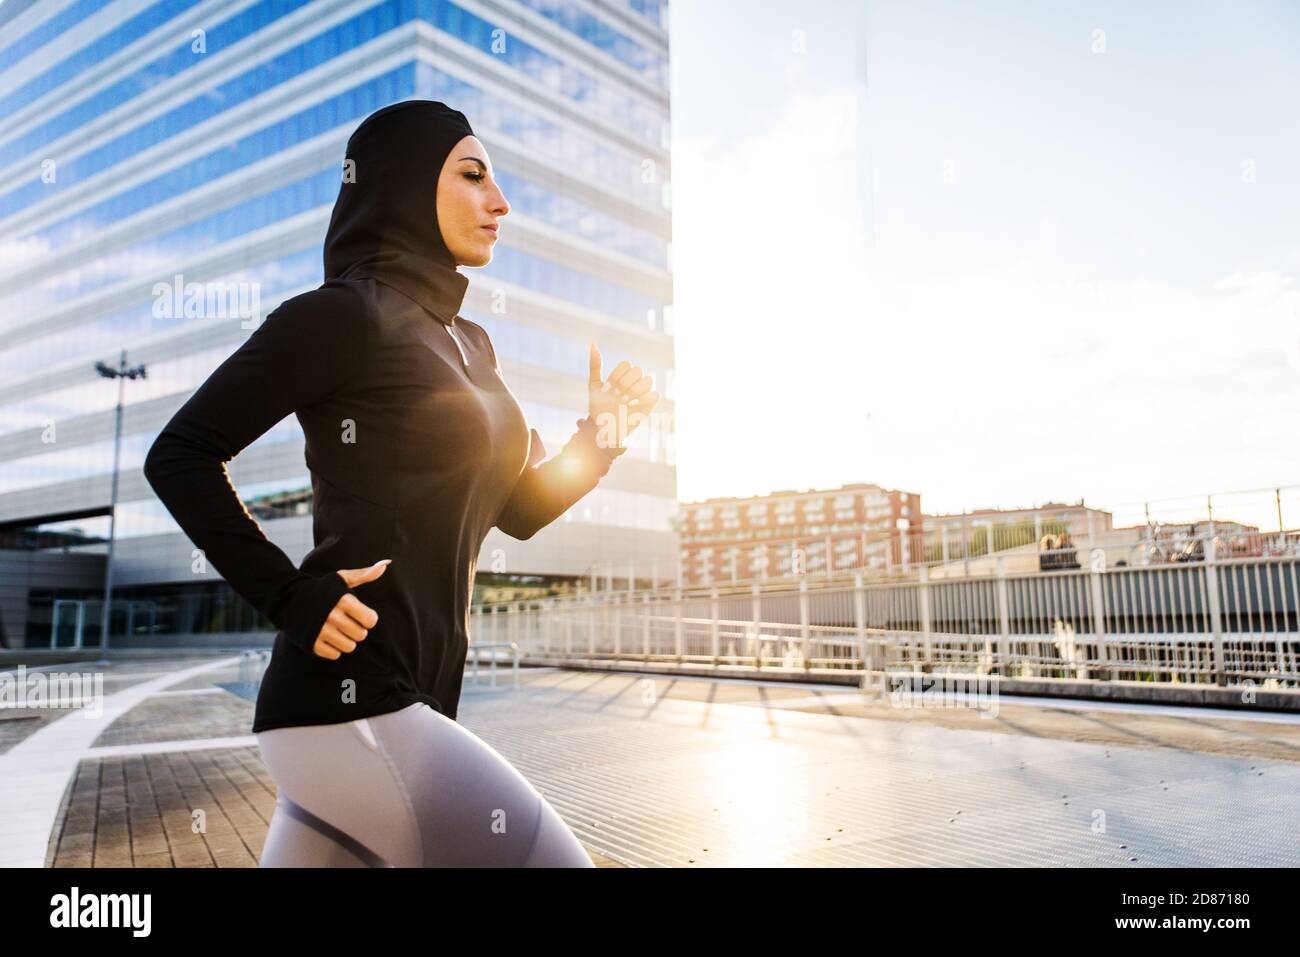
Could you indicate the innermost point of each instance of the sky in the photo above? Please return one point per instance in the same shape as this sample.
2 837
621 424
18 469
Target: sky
997 253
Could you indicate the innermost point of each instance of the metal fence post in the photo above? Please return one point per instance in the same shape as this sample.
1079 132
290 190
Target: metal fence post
1216 616
532 622
803 623
714 625
645 627
1004 615
618 625
923 600
860 628
677 626
1097 597
568 628
756 616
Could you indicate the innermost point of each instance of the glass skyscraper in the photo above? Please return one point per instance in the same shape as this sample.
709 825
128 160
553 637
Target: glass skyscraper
169 172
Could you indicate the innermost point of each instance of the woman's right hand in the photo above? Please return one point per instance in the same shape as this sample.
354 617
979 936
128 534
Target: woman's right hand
350 619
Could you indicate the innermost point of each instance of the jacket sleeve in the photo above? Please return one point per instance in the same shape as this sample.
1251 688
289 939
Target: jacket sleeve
301 353
545 492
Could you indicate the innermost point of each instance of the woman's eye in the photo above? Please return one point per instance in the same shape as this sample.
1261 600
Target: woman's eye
474 176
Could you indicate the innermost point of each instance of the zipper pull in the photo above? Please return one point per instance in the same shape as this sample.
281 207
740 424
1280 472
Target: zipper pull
464 360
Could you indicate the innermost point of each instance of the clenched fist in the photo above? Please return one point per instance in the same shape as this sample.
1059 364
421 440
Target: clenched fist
350 619
620 403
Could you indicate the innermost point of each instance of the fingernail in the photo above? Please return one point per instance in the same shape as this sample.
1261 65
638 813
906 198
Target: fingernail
382 561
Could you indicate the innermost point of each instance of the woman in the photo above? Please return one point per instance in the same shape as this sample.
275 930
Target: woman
416 449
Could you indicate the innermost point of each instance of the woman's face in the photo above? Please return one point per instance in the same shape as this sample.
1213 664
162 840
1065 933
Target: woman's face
469 203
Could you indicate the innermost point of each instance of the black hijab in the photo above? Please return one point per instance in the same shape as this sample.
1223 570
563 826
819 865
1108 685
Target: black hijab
385 221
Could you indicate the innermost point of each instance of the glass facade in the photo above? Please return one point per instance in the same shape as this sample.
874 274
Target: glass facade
152 147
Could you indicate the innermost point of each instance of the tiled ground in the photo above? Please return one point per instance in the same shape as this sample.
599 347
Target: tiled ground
177 809
656 771
17 723
181 717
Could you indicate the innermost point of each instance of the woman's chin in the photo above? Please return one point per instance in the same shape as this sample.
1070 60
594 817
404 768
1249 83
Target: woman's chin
480 257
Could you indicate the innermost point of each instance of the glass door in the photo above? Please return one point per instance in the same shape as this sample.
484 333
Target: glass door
69 622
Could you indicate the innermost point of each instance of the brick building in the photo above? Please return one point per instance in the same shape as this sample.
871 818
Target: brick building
1010 527
790 532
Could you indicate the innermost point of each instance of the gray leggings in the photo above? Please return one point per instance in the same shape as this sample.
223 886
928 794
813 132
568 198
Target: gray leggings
411 788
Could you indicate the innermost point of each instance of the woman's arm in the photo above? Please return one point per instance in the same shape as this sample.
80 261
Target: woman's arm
545 492
305 350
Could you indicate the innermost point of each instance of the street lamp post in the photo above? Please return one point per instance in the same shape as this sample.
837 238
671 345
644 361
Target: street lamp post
121 374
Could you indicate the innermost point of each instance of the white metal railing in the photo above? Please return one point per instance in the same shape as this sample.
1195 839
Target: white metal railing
1233 622
475 654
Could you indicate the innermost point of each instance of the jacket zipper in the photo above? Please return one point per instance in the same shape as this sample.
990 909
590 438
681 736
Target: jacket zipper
464 360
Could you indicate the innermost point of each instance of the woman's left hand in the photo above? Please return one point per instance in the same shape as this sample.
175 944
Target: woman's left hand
620 403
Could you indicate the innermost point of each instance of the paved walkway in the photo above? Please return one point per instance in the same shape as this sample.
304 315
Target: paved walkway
660 771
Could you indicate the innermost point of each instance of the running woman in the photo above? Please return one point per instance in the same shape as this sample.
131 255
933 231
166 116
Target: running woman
416 449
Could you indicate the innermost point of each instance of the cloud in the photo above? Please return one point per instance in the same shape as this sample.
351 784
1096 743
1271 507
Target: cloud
1019 382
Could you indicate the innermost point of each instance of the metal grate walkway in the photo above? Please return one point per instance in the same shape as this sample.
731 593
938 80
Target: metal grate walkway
670 782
